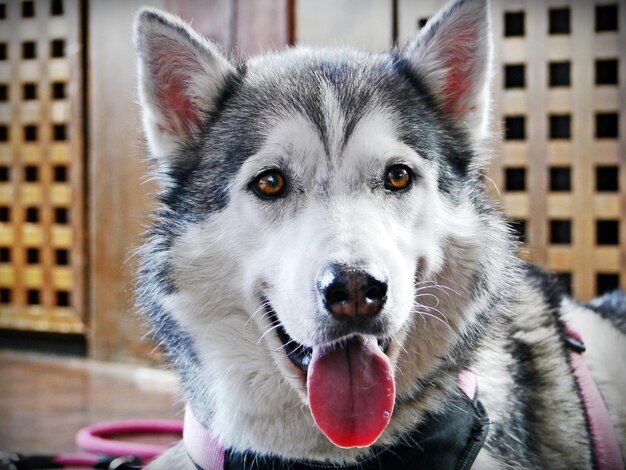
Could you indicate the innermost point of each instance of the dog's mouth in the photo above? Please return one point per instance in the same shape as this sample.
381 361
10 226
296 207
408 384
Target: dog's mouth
350 384
297 353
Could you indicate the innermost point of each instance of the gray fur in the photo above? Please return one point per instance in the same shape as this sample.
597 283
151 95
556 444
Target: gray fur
216 250
612 306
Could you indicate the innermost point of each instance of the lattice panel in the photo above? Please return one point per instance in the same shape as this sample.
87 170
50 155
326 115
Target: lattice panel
560 169
41 208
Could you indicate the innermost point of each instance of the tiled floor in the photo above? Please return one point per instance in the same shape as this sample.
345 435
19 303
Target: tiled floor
45 400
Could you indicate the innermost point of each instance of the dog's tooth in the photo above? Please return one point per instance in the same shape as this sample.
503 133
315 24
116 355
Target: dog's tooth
306 359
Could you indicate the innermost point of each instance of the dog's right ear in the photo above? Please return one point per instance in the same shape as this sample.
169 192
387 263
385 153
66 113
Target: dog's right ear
181 75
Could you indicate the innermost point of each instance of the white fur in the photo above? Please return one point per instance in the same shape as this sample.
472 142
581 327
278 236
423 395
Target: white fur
250 248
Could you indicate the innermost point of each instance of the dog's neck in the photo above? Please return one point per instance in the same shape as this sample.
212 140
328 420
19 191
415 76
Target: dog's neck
451 438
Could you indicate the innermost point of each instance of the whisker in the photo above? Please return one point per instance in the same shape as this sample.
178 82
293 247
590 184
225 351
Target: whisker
400 345
426 314
436 286
260 309
269 330
417 306
429 295
291 341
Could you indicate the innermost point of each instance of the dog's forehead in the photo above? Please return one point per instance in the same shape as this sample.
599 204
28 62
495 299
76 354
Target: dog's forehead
330 93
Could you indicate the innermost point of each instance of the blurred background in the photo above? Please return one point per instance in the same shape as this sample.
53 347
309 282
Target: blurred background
74 197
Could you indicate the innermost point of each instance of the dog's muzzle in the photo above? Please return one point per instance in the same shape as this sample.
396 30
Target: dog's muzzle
347 372
352 299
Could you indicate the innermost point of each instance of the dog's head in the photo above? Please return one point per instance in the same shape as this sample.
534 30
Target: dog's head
323 223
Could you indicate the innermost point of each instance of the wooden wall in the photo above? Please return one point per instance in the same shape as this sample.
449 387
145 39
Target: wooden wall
119 193
73 207
560 104
361 23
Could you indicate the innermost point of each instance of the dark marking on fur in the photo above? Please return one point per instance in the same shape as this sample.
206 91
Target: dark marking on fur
458 151
548 284
514 438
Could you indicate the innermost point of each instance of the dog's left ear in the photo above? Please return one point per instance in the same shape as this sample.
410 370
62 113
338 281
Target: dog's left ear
181 75
452 54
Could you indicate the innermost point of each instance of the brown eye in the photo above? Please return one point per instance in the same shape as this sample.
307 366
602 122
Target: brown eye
398 177
270 184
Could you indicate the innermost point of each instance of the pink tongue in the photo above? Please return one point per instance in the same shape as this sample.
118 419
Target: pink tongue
351 392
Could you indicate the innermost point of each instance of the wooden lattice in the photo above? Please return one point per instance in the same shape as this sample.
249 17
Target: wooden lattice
41 170
560 169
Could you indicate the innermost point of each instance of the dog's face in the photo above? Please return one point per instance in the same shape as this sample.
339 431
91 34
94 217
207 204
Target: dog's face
319 209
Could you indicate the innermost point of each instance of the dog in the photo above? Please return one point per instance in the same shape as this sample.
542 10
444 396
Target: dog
330 279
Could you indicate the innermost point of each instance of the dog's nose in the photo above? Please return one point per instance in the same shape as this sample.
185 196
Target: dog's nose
352 292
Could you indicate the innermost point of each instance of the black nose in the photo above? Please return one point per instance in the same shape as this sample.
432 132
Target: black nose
351 292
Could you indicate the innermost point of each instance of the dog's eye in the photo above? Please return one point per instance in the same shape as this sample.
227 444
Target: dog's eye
398 177
269 184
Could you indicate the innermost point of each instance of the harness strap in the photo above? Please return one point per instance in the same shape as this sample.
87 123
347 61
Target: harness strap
606 451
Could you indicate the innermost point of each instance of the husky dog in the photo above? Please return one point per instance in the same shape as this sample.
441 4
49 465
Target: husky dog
327 273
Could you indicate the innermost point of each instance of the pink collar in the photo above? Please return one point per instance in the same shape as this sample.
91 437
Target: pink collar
203 448
606 451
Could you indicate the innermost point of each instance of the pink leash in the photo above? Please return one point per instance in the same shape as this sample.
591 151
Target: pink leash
96 440
207 452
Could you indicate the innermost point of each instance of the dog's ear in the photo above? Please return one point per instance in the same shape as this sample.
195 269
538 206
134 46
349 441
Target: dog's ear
181 75
452 54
